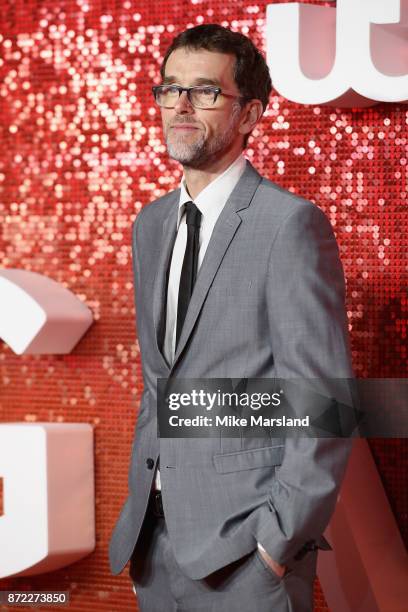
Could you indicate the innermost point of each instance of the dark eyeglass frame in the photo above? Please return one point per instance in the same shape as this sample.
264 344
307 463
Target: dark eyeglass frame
217 91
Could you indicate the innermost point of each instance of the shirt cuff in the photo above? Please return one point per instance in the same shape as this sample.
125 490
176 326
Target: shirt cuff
157 481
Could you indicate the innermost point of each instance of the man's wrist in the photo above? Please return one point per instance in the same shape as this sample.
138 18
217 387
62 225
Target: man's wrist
280 570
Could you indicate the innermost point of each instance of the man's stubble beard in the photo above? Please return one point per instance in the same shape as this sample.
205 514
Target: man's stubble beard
198 153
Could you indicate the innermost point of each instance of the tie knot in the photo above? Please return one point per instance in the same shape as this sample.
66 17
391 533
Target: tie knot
193 215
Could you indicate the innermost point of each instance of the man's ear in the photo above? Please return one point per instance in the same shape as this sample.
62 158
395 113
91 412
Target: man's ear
252 116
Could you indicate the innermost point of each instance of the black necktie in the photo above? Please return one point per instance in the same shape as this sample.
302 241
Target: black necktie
190 261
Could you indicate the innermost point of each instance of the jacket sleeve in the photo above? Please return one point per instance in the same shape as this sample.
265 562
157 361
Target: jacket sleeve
308 332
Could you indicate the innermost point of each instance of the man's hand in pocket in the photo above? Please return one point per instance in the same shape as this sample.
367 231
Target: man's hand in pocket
275 567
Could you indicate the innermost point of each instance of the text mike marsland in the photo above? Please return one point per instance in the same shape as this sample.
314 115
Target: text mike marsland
234 421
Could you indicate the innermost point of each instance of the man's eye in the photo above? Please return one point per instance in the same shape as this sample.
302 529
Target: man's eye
204 90
171 89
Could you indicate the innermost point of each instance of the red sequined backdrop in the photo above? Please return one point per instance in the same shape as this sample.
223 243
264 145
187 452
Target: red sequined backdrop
82 153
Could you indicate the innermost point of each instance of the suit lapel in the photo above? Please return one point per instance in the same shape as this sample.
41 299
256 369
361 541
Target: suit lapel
166 238
223 233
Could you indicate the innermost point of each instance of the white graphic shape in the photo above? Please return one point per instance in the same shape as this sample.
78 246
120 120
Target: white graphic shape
352 55
38 315
48 496
368 568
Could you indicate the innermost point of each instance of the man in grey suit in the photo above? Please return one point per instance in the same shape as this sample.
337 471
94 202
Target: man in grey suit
234 277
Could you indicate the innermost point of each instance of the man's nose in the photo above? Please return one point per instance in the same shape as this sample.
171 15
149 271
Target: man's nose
183 104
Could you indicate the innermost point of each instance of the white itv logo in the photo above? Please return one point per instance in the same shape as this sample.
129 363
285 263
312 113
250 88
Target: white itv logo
38 315
48 496
353 55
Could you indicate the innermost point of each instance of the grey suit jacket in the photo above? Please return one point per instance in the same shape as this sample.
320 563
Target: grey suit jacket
268 302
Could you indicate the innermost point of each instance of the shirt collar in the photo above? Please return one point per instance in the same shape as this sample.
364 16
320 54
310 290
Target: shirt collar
211 200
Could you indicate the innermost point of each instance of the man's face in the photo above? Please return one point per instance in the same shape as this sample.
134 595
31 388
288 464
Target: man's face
196 136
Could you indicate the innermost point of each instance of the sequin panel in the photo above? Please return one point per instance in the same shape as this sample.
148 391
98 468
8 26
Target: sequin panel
82 152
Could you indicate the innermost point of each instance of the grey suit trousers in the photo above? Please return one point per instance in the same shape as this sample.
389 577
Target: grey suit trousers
247 584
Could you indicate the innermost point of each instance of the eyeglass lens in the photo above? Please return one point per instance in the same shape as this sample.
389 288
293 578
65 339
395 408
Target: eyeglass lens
198 96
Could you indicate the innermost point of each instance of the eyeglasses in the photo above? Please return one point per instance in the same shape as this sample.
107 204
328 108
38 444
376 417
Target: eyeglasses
200 96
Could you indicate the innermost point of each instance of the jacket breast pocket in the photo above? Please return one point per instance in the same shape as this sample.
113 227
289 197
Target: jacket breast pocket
268 456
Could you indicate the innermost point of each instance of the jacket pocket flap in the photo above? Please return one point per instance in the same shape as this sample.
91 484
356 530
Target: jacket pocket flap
249 459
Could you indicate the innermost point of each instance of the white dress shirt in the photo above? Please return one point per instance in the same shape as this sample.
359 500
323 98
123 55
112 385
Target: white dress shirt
210 202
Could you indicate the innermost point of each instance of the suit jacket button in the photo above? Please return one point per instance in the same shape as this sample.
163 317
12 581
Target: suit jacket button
150 463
